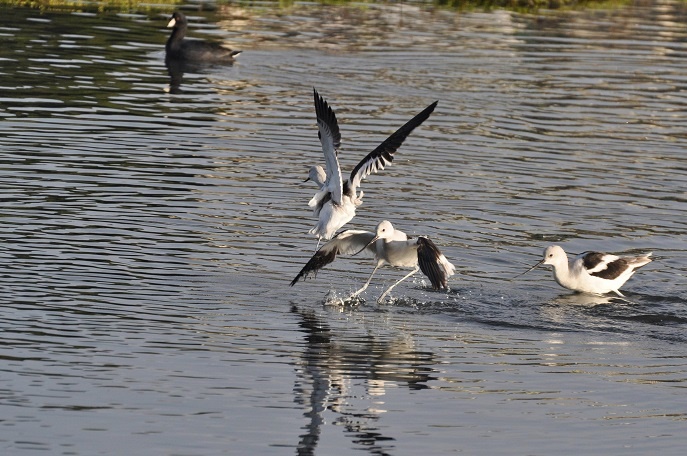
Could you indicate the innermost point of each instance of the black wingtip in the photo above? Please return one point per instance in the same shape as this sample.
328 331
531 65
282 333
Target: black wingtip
320 259
322 108
325 113
384 153
424 114
319 102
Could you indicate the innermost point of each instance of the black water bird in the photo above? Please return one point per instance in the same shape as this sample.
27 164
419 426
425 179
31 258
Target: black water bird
179 48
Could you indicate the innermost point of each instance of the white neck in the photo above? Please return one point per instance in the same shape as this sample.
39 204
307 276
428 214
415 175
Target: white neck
561 272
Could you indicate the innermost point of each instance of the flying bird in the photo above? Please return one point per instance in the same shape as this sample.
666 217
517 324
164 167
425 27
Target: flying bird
335 202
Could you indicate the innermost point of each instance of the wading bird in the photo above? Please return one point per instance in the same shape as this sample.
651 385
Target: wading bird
390 247
591 272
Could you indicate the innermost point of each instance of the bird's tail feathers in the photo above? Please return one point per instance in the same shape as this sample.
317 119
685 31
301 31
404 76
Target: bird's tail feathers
640 261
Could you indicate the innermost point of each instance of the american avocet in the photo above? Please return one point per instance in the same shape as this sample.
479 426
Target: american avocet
591 272
389 246
334 204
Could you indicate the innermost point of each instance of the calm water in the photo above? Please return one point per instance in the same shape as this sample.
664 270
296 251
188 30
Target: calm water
149 237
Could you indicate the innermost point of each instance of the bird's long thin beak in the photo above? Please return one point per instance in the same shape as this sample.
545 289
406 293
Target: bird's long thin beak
172 22
520 275
374 239
306 180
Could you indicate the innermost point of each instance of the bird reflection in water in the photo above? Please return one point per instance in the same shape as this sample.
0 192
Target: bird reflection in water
176 69
586 299
329 366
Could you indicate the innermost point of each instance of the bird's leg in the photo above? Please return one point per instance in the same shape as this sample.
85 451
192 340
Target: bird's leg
318 245
381 298
366 284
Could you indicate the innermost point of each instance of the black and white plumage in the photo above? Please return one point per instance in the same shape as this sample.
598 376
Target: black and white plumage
592 272
389 246
335 202
193 50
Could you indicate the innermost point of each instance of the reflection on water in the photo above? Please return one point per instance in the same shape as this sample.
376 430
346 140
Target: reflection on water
585 299
149 237
330 361
176 69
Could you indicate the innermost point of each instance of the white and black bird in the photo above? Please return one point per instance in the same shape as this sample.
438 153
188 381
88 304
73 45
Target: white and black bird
390 247
335 202
591 272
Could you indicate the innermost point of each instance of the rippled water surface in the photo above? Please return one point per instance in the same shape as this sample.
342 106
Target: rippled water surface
150 232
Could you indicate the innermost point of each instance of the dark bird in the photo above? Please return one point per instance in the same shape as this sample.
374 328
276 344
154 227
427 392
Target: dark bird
179 48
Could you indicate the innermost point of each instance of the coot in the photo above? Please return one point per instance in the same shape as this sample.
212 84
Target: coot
194 50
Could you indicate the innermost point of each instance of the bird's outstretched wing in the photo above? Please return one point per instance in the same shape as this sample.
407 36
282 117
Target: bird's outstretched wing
345 243
384 153
430 260
330 137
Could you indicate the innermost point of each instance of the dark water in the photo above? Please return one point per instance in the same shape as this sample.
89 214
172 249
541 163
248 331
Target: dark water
148 237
